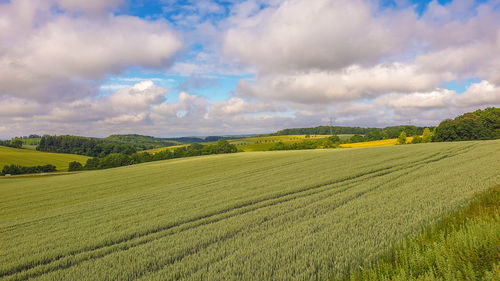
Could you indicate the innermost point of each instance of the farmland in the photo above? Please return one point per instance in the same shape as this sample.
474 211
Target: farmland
262 143
374 143
28 157
284 215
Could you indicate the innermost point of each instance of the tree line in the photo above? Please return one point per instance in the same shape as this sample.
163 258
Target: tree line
370 133
477 125
82 146
120 159
330 142
18 169
15 143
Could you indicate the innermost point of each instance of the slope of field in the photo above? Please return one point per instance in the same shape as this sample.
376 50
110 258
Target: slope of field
463 246
285 215
27 157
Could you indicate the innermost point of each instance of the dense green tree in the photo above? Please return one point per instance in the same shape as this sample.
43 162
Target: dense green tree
92 163
479 125
357 138
82 146
75 166
18 169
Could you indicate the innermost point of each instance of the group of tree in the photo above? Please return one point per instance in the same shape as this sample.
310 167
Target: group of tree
330 142
141 142
18 169
477 125
368 134
82 146
425 137
15 143
121 159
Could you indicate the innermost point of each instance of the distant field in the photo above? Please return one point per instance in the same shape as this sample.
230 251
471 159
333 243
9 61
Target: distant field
29 157
283 215
260 143
374 143
264 143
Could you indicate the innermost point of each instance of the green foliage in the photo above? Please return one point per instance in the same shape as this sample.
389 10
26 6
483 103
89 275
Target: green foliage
284 215
356 138
324 130
141 142
75 166
426 135
370 134
119 159
330 142
463 246
402 138
82 146
14 169
479 125
14 143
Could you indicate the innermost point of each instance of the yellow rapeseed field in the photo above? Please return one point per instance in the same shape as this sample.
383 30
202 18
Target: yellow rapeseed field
374 143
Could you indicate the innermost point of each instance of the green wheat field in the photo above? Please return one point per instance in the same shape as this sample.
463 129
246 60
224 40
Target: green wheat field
284 215
27 157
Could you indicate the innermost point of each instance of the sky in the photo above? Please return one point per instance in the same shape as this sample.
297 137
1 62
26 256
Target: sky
218 67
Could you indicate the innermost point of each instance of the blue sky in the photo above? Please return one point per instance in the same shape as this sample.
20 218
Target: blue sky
207 67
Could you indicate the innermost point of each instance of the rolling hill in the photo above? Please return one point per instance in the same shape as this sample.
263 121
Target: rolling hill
28 157
283 215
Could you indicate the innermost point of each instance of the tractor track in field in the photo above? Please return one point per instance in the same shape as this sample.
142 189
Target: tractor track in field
22 272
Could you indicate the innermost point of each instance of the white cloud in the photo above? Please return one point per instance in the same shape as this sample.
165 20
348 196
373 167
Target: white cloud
62 56
479 94
438 98
322 34
309 60
351 83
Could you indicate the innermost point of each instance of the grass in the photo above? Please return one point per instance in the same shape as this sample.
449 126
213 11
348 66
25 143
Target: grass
28 157
463 246
284 215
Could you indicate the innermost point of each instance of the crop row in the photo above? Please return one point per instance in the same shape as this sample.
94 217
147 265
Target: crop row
276 215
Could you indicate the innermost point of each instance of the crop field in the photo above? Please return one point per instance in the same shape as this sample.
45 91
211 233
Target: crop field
259 143
374 143
28 157
280 215
264 143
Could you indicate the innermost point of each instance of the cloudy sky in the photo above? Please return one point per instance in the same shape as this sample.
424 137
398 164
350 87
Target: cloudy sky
207 67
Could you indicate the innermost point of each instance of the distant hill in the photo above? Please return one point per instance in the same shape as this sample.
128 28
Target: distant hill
142 142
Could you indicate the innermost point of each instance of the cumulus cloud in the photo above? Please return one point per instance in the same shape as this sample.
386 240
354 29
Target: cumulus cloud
479 94
438 98
363 64
63 56
321 34
351 83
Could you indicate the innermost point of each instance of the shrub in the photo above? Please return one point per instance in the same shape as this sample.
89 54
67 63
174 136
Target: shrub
402 138
75 166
